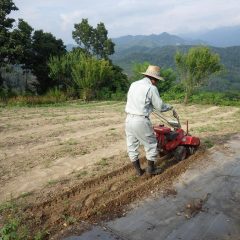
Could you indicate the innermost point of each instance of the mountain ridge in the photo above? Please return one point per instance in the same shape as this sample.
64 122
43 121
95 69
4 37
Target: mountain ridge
152 41
218 37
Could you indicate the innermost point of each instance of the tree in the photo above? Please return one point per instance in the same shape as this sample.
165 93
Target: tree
68 73
84 35
61 68
118 81
44 45
93 40
102 46
21 41
195 68
6 24
88 74
169 80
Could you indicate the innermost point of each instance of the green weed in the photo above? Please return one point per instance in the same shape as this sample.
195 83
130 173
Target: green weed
53 182
25 194
9 230
70 220
82 173
206 129
71 141
208 142
7 206
40 235
103 162
14 230
133 178
66 203
84 152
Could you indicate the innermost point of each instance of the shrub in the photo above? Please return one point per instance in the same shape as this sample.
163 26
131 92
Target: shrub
119 96
175 93
56 94
216 98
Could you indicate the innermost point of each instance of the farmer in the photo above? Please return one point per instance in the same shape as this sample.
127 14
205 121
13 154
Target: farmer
142 97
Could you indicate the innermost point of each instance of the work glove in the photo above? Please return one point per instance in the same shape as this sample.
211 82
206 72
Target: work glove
166 107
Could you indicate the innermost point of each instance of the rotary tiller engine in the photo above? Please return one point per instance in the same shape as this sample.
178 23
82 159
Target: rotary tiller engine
173 140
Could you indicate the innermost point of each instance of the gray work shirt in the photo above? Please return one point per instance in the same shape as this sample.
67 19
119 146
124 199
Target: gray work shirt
142 97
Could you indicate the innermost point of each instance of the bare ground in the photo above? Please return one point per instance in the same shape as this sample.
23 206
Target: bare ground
69 164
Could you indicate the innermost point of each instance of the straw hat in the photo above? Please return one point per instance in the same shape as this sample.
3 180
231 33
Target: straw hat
153 71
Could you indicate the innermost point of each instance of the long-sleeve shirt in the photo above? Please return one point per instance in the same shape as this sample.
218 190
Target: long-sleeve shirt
142 97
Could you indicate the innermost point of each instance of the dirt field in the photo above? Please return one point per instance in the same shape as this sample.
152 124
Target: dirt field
68 165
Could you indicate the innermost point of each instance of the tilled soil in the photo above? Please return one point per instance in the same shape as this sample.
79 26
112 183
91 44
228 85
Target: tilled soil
102 198
68 166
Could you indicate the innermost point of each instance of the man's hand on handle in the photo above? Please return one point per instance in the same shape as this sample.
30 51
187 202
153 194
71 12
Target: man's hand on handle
166 107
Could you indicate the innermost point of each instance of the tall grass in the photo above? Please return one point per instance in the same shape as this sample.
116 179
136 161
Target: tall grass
54 96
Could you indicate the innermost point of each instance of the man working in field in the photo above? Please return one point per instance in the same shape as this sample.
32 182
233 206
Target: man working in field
142 97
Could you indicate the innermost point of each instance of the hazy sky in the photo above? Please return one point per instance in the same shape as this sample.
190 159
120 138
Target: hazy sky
129 17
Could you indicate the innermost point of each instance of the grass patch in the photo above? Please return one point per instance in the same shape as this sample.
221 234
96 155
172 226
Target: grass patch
51 102
206 129
82 173
53 182
103 162
11 205
9 230
13 227
208 143
112 134
25 194
70 119
84 152
40 235
56 181
14 230
133 178
69 220
72 141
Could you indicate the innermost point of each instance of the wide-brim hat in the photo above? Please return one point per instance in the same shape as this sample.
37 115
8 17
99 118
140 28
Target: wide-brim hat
153 71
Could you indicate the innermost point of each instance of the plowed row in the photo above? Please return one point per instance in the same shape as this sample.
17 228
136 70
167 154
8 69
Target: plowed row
66 165
103 197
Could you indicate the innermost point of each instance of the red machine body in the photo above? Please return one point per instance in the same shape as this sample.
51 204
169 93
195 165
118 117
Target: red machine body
176 141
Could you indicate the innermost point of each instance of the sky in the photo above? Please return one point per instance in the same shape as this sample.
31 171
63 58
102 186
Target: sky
129 17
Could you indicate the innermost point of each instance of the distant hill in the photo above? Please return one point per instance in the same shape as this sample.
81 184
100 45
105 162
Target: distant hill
151 41
164 56
147 41
220 37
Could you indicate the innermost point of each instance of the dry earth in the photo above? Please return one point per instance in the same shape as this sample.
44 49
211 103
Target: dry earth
68 164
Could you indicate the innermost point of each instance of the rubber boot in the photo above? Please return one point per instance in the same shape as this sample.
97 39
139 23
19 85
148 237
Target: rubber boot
152 170
136 165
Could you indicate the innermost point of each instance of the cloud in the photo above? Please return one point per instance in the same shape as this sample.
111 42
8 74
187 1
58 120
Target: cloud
69 19
130 16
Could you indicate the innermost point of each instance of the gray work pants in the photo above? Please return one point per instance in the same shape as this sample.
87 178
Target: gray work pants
139 130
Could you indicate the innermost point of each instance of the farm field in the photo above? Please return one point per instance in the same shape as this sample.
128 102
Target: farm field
66 164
